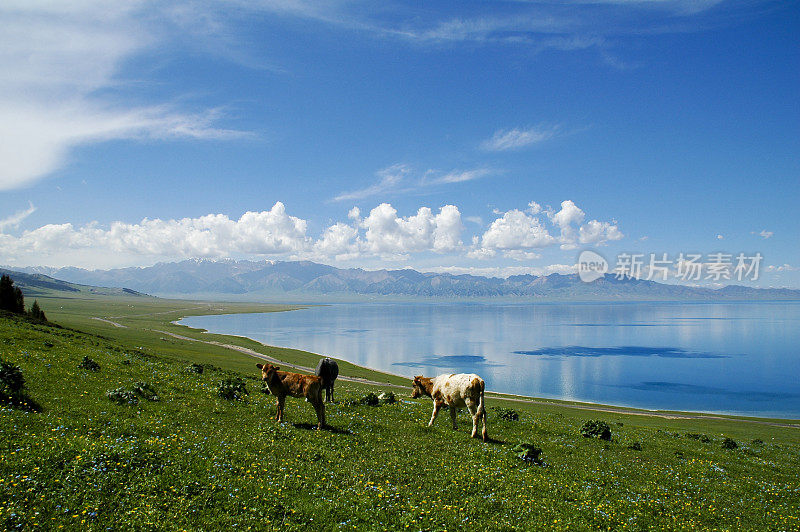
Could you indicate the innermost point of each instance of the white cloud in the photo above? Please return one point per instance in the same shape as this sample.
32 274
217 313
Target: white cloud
399 178
390 179
782 268
512 139
720 237
516 230
459 176
339 241
58 57
272 232
383 234
568 215
594 232
517 233
392 235
15 219
520 255
765 234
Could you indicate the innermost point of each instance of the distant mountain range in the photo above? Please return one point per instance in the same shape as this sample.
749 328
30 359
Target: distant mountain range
306 281
37 284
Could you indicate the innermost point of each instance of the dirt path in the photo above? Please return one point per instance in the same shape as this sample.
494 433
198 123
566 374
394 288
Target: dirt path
115 324
273 360
495 395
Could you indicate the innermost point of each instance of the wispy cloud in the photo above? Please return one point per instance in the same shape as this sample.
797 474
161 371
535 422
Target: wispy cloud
15 219
513 139
59 58
458 176
390 180
400 178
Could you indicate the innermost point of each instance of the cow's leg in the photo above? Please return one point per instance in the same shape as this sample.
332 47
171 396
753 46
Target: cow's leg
453 414
319 408
436 407
473 411
281 402
332 393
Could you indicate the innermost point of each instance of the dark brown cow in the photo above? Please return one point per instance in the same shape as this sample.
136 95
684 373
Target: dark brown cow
283 383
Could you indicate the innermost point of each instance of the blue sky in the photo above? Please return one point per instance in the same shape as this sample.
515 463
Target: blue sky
486 137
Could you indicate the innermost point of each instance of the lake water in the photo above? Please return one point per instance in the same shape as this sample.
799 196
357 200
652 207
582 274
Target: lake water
739 358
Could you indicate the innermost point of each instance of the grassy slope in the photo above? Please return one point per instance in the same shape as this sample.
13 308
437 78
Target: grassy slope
194 460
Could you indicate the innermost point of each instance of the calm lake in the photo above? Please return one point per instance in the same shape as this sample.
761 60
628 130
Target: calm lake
739 358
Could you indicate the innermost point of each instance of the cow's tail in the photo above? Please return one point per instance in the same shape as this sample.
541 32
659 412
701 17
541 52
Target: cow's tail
481 405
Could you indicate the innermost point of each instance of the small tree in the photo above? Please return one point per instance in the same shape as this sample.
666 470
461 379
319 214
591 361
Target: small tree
37 313
11 298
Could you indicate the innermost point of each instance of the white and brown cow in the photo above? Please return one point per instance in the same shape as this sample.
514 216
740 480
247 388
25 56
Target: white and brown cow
283 383
456 390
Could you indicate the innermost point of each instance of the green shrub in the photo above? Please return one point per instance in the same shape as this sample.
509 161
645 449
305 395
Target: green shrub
195 368
145 391
728 443
121 396
635 446
11 380
528 452
596 429
232 389
387 398
369 399
507 414
89 364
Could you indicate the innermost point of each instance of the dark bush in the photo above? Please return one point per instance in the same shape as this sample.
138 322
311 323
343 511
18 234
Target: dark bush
195 368
387 398
12 388
728 443
232 389
596 429
89 364
370 399
121 396
528 452
12 383
145 391
507 414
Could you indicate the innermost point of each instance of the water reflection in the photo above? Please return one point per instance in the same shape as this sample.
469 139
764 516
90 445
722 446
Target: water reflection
609 353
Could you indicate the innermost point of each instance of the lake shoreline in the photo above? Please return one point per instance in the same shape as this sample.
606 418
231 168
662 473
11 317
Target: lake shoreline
539 399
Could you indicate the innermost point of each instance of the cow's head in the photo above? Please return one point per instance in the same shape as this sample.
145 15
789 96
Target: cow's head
267 371
418 388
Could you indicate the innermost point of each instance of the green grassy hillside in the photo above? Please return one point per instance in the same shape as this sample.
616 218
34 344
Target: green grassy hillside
193 460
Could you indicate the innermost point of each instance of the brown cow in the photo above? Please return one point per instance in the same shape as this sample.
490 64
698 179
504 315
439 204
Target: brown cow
456 390
283 383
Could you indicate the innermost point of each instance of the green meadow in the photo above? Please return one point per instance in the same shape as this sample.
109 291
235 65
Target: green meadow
168 452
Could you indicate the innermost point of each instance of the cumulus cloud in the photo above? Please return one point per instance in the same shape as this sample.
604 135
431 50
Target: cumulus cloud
512 139
210 236
516 230
389 234
516 233
764 234
383 233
